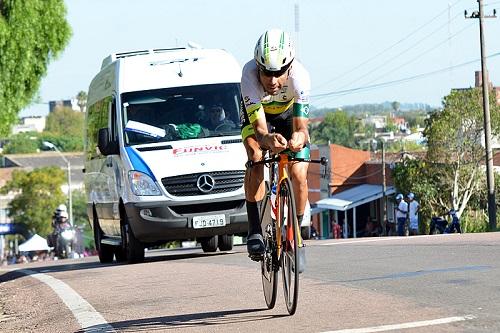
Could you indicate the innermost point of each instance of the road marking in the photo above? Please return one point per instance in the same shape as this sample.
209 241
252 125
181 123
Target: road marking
89 319
379 239
413 324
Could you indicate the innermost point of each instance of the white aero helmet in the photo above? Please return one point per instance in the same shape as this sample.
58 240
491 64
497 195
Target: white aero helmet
274 51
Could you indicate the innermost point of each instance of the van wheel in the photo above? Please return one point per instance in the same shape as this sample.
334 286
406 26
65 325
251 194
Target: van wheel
131 249
105 251
209 244
226 242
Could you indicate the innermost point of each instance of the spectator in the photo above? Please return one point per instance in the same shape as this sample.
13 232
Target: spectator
413 208
401 214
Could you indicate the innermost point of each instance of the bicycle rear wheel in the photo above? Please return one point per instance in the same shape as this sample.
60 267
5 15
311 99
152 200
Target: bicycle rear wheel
269 264
290 247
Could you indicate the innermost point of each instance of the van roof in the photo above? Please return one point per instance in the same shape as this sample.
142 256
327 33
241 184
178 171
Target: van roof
114 56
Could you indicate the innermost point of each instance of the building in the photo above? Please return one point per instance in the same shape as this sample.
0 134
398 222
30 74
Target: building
349 190
30 124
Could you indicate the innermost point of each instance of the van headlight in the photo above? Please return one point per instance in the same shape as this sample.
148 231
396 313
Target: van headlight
142 184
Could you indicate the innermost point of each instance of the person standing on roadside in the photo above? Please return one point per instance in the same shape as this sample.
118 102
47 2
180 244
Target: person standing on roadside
413 208
401 214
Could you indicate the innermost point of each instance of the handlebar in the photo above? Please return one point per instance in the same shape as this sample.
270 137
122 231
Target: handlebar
277 158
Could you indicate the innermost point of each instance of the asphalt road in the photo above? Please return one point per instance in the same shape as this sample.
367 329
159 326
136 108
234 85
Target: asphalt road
445 283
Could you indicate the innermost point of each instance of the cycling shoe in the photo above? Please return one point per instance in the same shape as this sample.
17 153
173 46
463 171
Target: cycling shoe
255 246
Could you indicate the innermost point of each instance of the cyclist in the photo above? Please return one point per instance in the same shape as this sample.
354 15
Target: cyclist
275 91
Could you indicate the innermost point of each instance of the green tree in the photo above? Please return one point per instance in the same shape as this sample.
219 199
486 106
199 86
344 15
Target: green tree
337 127
454 138
22 143
82 100
452 175
65 121
32 34
395 106
38 194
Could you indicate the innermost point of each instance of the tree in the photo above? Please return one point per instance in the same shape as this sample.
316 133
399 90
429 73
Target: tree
82 100
454 138
452 174
22 143
32 34
65 121
38 194
337 127
395 106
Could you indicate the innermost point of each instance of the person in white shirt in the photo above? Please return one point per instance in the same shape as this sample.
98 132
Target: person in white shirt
401 214
413 208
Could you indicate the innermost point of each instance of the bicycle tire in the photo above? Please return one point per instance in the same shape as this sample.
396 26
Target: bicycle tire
269 264
289 254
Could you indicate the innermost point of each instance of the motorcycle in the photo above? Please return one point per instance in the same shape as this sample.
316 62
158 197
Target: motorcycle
440 225
64 237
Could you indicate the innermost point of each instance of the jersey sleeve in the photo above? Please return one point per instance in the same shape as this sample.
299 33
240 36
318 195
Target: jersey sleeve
302 90
250 92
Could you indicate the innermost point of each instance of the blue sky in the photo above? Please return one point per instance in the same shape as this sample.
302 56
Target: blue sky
357 51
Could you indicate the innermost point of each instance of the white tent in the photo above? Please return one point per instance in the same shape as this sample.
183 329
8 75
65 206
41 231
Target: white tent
35 243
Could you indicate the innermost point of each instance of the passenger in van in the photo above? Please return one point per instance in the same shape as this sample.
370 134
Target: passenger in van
217 118
275 90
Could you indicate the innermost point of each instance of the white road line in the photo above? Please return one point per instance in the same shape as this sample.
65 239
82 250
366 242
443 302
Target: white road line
381 239
414 324
88 318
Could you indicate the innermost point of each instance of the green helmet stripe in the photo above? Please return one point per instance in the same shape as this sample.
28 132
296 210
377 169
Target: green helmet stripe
266 48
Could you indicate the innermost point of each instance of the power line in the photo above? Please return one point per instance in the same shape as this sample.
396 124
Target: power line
394 82
389 61
388 48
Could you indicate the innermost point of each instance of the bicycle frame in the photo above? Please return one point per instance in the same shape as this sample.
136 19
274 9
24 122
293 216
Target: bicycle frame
282 175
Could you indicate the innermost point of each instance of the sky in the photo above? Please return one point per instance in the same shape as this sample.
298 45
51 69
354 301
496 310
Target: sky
356 51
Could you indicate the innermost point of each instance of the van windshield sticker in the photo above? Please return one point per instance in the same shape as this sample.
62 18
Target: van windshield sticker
138 127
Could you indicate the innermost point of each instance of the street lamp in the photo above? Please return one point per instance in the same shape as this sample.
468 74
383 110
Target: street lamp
52 146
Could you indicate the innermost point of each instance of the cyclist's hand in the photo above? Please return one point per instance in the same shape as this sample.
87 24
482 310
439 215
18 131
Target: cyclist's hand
297 141
276 142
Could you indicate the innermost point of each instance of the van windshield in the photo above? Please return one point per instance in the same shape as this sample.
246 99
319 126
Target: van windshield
180 113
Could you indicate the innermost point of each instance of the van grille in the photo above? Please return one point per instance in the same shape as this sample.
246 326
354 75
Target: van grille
186 185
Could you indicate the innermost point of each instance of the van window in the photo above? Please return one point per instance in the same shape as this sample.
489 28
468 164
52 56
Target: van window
97 118
181 113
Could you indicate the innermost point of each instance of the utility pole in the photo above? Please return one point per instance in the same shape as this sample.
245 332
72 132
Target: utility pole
487 121
384 187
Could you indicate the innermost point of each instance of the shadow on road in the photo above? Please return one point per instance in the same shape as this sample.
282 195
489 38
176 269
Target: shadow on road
190 320
12 272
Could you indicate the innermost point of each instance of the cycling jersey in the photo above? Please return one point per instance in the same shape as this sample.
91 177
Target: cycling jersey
256 102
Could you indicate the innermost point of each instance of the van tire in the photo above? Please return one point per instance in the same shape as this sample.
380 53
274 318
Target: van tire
226 242
105 251
209 244
134 247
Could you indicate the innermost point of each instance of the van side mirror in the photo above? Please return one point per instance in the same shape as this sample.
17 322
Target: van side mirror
106 147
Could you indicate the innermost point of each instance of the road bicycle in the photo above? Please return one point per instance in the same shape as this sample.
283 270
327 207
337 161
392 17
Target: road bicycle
281 231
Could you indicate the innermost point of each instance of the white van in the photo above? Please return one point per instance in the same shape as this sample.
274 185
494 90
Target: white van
164 157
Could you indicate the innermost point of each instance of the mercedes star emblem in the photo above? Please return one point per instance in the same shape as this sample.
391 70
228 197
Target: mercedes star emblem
205 183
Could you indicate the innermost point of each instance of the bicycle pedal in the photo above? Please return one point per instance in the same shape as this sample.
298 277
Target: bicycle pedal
256 257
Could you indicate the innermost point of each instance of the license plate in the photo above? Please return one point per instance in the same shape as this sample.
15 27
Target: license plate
209 221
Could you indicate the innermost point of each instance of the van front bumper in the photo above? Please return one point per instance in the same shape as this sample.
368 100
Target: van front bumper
157 221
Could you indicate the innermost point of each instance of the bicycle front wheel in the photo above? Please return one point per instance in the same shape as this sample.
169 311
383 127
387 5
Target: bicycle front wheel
290 246
269 264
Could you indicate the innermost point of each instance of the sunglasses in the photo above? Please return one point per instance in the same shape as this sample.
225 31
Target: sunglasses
269 73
